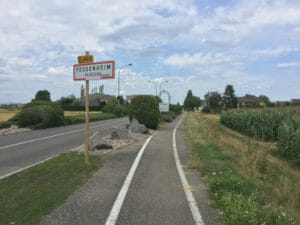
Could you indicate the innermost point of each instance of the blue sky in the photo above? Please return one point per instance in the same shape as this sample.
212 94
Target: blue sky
197 45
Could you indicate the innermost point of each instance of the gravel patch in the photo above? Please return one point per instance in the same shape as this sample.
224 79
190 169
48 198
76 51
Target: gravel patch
12 130
117 144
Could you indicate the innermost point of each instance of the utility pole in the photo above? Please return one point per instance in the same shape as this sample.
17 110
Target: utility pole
86 158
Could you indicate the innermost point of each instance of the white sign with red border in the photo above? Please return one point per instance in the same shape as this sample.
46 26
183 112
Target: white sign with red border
94 71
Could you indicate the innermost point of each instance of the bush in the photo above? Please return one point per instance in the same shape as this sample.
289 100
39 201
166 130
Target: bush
80 108
206 109
5 124
144 108
112 106
92 117
40 114
176 109
29 116
167 117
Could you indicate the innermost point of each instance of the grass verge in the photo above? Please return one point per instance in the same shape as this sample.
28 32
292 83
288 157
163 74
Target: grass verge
29 195
245 181
92 117
76 113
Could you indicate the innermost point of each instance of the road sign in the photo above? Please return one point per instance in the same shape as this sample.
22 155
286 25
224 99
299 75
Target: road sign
86 59
94 71
164 107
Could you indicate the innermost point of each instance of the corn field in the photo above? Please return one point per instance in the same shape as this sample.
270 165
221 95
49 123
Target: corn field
280 125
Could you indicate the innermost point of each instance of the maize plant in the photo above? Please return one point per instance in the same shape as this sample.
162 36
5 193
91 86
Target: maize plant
282 126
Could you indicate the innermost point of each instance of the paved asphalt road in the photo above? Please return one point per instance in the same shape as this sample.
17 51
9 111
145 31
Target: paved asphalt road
155 195
23 149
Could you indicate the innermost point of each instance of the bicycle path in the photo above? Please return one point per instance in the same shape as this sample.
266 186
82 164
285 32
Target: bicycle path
155 194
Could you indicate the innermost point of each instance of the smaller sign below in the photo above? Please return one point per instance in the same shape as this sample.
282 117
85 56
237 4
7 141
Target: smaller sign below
86 59
94 71
164 107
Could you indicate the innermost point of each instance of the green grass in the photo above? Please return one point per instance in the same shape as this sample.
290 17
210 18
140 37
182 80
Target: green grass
29 195
92 117
243 184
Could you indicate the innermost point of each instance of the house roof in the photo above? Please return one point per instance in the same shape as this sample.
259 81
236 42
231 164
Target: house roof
295 100
249 98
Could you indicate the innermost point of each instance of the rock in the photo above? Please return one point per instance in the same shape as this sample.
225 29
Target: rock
136 127
119 134
101 146
97 143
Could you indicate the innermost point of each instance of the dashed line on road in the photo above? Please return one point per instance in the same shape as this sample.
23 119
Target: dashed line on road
114 213
188 193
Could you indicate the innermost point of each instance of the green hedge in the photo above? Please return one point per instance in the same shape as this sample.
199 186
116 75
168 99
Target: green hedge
39 114
92 117
81 108
176 109
5 124
167 116
144 108
112 106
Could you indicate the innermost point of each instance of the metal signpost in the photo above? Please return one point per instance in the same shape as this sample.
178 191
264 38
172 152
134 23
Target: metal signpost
88 70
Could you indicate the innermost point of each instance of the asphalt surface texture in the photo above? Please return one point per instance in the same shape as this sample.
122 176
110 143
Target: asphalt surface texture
23 149
155 196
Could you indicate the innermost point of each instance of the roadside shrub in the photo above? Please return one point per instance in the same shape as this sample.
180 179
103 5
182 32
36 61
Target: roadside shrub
5 124
167 117
144 108
50 117
40 114
80 108
176 109
112 106
29 116
92 117
206 109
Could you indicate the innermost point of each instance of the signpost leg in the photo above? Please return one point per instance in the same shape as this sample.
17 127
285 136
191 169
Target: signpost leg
87 122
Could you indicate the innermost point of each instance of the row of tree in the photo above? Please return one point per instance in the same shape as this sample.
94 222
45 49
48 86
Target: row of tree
228 100
213 99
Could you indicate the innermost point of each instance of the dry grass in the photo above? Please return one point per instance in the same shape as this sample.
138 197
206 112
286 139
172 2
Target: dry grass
76 113
6 114
279 180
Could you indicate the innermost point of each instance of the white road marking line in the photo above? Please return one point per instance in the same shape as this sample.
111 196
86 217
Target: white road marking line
189 195
52 136
34 164
26 167
114 213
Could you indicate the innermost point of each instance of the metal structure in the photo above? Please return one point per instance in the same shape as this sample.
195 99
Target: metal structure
167 93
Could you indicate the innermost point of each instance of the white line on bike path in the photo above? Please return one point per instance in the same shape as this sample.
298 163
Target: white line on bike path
189 195
114 213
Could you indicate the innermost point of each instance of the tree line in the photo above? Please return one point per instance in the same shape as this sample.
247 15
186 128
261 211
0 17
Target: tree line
213 100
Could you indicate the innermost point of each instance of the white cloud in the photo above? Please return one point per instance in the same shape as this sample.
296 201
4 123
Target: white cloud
238 24
187 59
58 70
288 65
